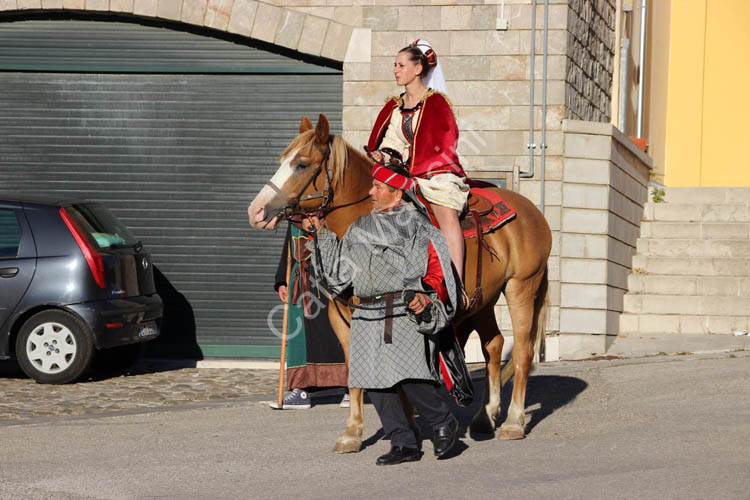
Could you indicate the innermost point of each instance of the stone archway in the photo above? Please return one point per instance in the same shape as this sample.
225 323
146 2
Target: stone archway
250 18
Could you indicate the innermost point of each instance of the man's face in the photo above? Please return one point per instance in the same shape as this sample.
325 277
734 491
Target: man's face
383 196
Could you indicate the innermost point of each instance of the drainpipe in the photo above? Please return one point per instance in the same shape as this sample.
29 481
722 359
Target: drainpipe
624 51
544 98
531 146
641 68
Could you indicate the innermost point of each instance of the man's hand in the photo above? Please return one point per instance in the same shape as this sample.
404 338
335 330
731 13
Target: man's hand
419 303
283 293
376 156
312 222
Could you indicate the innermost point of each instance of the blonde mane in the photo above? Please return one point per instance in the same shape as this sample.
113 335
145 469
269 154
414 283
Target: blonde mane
340 152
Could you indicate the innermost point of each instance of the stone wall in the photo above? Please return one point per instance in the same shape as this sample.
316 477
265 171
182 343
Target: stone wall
591 46
605 179
488 73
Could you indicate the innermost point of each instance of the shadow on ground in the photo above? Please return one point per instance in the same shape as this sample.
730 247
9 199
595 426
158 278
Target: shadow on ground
9 369
544 395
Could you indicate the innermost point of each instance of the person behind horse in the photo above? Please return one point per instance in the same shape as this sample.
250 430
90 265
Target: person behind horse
385 256
315 358
419 124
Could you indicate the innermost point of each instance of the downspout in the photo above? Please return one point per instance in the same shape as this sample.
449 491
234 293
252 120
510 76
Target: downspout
531 145
544 99
641 68
624 51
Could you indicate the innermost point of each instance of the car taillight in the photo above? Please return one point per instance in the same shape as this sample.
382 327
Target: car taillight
93 259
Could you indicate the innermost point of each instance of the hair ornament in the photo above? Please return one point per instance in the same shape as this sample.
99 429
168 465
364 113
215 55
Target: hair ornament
429 53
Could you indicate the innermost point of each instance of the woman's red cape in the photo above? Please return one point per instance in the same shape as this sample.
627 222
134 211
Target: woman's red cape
435 137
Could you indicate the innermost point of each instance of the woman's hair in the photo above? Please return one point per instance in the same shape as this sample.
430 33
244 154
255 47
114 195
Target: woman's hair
428 61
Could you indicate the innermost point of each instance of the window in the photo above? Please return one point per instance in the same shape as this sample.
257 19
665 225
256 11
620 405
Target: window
10 234
103 228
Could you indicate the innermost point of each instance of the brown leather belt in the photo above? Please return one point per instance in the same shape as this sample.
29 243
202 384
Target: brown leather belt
388 298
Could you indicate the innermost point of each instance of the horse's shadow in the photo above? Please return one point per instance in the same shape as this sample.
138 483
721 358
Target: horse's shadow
544 395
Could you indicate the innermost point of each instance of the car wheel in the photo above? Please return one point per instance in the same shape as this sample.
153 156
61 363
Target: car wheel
116 359
54 347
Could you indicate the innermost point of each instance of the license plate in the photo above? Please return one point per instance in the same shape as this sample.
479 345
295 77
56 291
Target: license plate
149 329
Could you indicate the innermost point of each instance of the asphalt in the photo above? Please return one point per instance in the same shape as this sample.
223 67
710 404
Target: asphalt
666 425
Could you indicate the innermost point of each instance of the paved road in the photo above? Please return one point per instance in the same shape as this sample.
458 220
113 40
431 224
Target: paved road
660 427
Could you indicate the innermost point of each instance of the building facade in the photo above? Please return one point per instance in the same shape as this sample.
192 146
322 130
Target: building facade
531 84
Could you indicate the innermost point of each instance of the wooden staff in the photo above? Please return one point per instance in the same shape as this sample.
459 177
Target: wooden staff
285 326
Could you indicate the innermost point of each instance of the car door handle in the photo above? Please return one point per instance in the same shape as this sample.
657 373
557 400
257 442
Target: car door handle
8 272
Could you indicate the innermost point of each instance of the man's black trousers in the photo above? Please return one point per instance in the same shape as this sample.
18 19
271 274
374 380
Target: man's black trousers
426 398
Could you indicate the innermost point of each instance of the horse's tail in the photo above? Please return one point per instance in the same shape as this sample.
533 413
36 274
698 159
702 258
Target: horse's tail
542 306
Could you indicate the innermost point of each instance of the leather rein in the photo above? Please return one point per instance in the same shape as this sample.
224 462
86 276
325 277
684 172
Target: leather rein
292 204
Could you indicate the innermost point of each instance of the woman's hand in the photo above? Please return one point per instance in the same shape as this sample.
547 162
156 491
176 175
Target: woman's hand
419 303
283 293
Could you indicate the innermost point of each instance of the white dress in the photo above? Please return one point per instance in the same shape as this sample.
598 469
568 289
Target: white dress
447 190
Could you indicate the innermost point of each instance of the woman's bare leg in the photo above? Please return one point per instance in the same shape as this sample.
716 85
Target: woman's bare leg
447 218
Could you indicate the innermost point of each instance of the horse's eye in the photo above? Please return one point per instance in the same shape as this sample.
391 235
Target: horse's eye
301 165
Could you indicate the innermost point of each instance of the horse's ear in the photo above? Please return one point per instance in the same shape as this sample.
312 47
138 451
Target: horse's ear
322 130
305 125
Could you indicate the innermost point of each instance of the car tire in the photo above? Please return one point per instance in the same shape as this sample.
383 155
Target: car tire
54 347
116 359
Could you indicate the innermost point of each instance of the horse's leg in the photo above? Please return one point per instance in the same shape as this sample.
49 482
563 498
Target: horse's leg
492 347
524 305
351 439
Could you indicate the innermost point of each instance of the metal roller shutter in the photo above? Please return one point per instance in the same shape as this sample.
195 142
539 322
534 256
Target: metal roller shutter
174 148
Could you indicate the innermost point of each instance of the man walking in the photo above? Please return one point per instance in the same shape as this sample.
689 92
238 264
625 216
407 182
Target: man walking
389 254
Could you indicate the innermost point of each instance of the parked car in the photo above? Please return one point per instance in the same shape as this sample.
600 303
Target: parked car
75 287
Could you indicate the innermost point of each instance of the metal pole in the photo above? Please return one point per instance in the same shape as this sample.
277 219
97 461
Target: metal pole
641 67
531 145
623 97
544 98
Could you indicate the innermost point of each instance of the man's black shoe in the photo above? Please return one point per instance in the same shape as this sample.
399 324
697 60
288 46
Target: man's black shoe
445 438
399 454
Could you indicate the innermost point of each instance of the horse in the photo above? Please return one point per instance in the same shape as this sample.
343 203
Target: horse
322 173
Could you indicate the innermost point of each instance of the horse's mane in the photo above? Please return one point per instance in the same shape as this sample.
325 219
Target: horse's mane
340 152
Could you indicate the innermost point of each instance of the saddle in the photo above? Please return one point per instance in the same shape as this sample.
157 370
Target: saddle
486 211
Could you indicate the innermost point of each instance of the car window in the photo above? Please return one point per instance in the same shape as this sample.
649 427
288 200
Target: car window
103 228
10 233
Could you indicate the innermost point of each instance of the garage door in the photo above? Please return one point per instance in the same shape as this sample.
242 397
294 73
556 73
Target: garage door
175 132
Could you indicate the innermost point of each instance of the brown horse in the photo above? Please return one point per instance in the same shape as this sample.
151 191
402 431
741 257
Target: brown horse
323 173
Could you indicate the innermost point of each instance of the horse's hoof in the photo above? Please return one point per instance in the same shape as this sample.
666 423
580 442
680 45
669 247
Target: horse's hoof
511 431
481 426
347 446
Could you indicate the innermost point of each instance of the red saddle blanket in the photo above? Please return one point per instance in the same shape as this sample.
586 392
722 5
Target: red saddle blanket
493 211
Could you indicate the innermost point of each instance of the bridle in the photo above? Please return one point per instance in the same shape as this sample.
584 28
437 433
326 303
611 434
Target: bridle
292 204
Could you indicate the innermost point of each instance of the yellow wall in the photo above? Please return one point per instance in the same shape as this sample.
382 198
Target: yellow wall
656 80
707 106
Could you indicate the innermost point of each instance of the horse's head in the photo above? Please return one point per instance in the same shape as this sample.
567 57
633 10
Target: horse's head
302 182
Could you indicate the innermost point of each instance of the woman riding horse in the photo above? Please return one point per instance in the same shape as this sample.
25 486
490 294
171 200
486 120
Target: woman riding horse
420 126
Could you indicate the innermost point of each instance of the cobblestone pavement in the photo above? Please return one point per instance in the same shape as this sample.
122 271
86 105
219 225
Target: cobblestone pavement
147 386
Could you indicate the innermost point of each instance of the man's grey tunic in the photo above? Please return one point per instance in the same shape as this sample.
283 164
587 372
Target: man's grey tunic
387 251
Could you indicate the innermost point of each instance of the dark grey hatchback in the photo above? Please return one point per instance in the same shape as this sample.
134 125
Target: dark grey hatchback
75 287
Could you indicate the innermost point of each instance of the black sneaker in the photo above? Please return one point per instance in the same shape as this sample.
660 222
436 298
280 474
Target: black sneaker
298 399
